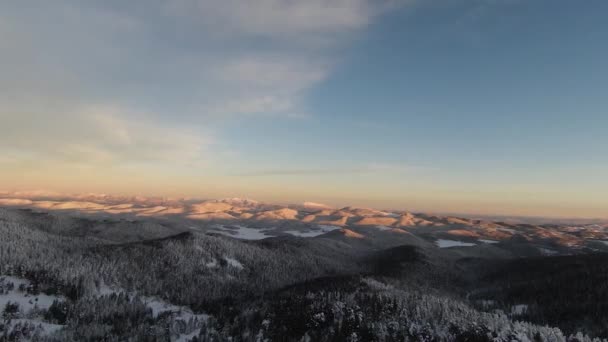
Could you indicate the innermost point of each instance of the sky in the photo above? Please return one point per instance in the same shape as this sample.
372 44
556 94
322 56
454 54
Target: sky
454 106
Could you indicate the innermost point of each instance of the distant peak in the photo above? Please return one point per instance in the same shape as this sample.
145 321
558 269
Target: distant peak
239 201
316 205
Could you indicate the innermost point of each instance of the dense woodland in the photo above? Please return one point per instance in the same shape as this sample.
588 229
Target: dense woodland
566 291
282 289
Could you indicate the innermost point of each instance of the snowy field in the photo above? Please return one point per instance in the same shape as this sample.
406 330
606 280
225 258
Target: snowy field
26 301
322 229
241 232
247 233
441 243
184 313
11 292
159 306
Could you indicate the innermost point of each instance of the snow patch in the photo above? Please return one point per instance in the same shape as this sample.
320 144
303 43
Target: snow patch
241 232
441 243
508 230
322 229
25 300
308 234
184 313
488 241
105 290
28 305
45 328
487 303
188 337
519 309
234 263
212 264
547 251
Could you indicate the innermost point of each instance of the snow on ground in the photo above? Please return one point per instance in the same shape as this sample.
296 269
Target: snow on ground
605 242
26 301
159 306
547 251
241 232
488 241
322 229
103 290
519 309
487 303
183 313
233 262
384 228
187 337
46 328
212 264
441 243
308 234
508 230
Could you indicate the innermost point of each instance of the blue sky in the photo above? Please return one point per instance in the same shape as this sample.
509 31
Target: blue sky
487 106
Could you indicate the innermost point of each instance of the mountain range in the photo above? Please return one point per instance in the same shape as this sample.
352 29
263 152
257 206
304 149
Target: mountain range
99 267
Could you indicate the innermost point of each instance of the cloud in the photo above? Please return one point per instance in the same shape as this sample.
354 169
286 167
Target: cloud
267 84
362 169
205 58
97 135
113 82
284 18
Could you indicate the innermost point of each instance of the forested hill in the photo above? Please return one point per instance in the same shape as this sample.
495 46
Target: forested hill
69 278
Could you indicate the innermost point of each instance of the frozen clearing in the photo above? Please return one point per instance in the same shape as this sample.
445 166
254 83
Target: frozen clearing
441 243
25 300
488 241
241 232
179 312
27 303
322 229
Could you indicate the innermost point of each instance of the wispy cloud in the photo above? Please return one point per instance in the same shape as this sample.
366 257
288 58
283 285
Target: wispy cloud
107 82
284 18
362 169
97 135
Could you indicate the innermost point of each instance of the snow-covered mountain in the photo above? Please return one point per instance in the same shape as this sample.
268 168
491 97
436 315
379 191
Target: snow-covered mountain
307 219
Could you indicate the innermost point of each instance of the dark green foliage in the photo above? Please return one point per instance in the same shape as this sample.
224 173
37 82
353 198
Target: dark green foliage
566 291
10 311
